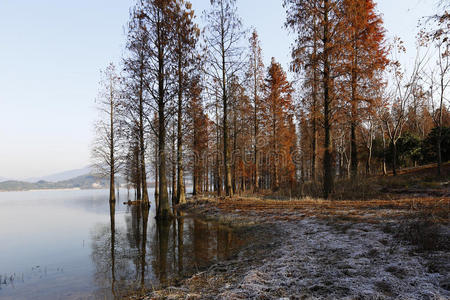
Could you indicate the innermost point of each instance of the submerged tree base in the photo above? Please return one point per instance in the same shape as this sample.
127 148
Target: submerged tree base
144 204
165 216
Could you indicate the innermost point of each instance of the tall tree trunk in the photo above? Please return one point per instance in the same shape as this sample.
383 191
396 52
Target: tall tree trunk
314 115
138 174
128 186
328 173
256 127
112 193
353 151
174 170
164 211
142 142
181 195
218 176
156 176
163 207
195 188
226 149
354 113
206 174
353 146
439 153
384 154
314 140
234 169
394 159
369 158
439 137
195 172
275 181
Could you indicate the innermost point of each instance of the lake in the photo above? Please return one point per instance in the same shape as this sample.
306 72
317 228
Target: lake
73 244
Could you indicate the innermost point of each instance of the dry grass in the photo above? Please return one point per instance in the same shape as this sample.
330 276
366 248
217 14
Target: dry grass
421 180
258 204
429 169
251 210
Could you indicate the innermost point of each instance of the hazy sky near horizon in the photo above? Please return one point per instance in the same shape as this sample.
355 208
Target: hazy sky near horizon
51 53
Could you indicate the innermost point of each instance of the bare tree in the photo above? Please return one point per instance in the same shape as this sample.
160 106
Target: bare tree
106 148
159 23
439 78
136 68
367 129
255 77
224 60
186 36
442 83
399 99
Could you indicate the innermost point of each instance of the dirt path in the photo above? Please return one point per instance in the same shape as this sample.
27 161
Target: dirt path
310 249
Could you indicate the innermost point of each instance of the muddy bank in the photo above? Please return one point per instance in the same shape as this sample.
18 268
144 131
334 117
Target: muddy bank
310 249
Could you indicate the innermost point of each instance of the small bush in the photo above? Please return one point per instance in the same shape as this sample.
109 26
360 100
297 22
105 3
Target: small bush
424 233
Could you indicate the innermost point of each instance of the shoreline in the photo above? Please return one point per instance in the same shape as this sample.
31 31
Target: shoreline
322 249
48 190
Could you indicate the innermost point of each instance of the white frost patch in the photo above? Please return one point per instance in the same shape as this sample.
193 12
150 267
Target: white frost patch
346 261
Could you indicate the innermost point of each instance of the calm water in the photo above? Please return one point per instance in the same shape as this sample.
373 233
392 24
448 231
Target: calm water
75 245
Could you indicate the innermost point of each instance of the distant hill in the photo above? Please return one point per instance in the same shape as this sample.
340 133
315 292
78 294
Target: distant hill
61 176
81 182
3 179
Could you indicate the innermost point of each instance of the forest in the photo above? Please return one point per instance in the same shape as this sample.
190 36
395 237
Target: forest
199 102
331 175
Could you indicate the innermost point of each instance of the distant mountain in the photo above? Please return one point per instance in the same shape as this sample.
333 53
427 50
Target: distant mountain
61 176
4 179
80 182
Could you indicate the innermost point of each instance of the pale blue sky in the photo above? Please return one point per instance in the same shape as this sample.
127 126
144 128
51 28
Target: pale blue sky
51 52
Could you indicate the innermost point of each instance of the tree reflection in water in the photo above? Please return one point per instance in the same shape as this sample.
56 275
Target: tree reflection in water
112 216
144 253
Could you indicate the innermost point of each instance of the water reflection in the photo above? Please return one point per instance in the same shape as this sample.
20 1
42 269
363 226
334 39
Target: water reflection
112 220
77 245
147 253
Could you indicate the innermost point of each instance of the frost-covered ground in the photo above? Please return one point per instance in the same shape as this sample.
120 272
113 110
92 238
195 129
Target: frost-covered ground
310 253
352 261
